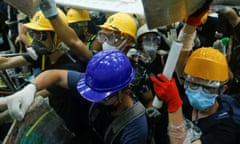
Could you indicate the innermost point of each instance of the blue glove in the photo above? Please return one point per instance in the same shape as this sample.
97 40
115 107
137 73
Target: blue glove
49 8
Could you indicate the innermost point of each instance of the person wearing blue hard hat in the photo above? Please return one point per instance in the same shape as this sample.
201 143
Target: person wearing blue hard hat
106 84
106 73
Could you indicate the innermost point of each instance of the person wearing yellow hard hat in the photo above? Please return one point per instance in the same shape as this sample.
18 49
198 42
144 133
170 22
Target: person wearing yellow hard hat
78 20
206 73
46 48
117 32
49 52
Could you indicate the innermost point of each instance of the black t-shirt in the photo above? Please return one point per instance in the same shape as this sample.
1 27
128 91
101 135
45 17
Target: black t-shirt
218 130
66 102
66 61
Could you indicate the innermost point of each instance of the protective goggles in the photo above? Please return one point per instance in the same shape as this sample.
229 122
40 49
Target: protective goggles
38 35
109 37
197 87
151 39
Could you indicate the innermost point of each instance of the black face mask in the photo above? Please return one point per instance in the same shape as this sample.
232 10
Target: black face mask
40 48
107 108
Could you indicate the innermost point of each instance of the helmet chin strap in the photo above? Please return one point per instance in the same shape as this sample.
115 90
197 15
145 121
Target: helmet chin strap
123 43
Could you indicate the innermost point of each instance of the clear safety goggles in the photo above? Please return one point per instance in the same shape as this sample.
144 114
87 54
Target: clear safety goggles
38 35
151 39
109 37
210 87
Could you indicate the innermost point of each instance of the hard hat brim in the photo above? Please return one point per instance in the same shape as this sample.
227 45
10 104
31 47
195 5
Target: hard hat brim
36 27
91 95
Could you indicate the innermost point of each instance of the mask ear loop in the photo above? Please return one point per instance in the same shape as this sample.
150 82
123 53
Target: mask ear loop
219 91
123 43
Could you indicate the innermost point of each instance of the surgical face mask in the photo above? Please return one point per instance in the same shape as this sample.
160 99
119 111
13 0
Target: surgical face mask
106 46
199 99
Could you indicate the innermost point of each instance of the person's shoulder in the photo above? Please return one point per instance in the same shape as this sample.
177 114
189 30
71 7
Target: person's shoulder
73 78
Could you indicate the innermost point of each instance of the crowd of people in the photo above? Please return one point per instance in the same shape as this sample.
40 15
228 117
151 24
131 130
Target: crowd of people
100 73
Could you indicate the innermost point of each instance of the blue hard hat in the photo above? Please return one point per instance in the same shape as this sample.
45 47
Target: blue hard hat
107 72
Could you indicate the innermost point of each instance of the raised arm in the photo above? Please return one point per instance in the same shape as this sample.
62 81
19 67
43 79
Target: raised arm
12 62
64 32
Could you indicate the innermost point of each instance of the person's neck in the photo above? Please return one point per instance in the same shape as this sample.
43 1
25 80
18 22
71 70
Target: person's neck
123 104
55 56
209 111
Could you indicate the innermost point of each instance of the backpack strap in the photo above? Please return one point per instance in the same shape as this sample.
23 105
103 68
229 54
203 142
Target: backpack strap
122 121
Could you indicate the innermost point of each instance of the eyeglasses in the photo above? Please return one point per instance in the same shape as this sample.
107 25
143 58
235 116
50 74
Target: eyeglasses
109 37
195 86
38 35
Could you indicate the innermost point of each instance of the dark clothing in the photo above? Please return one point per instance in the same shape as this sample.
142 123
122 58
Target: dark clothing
160 127
75 110
234 64
218 128
134 133
141 82
4 45
66 102
64 62
207 31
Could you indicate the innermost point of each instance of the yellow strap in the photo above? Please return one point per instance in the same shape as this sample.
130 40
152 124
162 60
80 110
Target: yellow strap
37 122
43 62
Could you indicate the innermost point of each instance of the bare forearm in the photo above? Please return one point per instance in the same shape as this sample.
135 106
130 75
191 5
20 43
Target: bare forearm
50 78
69 37
186 36
12 62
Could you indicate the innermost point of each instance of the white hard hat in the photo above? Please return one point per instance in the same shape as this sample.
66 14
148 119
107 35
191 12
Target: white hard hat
144 29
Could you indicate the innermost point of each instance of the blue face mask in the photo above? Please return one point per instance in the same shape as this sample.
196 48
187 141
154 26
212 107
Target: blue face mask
199 99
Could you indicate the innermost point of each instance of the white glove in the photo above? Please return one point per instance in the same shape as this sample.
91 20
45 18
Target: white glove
19 102
49 8
171 36
32 53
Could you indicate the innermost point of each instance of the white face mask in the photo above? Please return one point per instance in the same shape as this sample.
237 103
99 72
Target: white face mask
150 49
106 46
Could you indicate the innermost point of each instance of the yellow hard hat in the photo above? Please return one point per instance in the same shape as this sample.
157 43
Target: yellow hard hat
121 22
207 63
40 23
77 15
